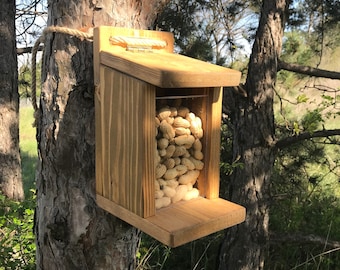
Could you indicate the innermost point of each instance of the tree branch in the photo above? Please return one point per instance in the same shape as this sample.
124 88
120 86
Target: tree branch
303 239
308 70
28 50
307 135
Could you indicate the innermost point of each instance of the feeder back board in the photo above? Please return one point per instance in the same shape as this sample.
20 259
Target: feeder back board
137 76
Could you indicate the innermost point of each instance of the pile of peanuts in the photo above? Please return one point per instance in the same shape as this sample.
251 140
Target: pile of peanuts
179 156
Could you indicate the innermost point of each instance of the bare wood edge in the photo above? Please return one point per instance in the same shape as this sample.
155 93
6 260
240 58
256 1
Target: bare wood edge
174 238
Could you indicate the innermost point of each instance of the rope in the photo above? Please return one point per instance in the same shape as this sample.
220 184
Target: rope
137 42
41 39
117 40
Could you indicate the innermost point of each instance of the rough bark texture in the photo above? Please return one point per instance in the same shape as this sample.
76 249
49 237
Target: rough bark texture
253 121
10 164
72 232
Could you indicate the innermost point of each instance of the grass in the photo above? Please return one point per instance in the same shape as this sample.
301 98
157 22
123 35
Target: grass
17 245
28 148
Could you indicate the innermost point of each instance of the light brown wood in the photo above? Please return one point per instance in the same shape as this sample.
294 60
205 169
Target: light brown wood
125 137
99 142
182 222
102 42
213 141
128 85
168 70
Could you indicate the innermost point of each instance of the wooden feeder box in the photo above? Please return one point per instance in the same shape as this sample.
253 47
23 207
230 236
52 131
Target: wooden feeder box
135 73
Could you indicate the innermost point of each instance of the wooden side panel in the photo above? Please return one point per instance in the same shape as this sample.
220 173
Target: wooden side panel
128 132
213 142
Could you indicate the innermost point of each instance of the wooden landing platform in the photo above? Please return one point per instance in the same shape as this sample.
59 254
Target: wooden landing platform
181 222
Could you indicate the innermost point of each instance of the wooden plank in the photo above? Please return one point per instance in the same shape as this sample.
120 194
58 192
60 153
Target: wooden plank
149 145
213 143
105 133
168 70
188 221
128 141
99 142
182 222
133 219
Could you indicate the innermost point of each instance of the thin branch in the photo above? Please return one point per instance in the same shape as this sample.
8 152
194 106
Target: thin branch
308 70
303 239
307 135
28 50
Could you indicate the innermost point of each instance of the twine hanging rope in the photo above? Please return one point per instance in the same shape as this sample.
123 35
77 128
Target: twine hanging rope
115 40
41 39
137 42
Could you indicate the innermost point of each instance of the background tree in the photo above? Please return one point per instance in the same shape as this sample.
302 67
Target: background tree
10 164
253 141
72 232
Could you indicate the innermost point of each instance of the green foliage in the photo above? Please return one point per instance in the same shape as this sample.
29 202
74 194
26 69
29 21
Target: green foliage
199 254
17 241
302 98
17 247
178 18
208 30
227 164
311 120
304 200
295 49
25 80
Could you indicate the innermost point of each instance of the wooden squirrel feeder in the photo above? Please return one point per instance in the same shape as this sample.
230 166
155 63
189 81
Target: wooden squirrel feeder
137 74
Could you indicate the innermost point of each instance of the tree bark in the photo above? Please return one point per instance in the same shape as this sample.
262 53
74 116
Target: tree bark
253 121
10 162
71 231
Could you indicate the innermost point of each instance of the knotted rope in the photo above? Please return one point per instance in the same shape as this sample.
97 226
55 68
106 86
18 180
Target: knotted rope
137 42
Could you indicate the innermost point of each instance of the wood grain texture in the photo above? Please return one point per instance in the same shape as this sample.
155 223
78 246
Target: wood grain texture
213 143
169 70
126 137
182 222
128 84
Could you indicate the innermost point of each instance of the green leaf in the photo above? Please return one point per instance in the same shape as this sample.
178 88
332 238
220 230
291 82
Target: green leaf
327 97
296 128
312 120
302 98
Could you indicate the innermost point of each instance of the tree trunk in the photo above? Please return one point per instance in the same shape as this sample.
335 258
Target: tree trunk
10 162
253 121
72 232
